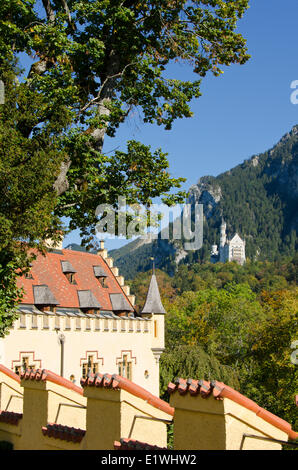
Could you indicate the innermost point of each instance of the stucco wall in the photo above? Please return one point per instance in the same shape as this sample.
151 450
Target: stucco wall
209 424
11 394
107 345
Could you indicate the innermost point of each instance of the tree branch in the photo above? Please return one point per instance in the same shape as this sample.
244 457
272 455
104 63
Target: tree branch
98 97
67 11
49 10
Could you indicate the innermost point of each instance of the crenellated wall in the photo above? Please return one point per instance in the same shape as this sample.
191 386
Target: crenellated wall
106 337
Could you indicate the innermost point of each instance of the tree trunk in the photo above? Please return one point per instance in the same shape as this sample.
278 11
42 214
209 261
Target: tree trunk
105 96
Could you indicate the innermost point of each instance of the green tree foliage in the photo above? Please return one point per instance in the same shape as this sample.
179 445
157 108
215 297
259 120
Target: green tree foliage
222 320
95 61
73 71
193 362
259 276
10 295
272 377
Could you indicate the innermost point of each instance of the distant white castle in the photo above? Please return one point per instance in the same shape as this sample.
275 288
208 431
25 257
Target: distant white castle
229 250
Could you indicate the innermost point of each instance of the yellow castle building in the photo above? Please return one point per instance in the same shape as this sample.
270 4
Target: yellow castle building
77 315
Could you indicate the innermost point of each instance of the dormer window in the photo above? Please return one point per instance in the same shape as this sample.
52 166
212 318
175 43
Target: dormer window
69 271
101 275
88 302
120 305
44 299
71 278
47 308
28 275
90 311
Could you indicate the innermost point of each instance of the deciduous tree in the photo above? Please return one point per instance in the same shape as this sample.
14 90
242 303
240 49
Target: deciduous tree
73 70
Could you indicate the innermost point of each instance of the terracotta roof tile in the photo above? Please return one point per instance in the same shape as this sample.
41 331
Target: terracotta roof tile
44 375
65 433
131 444
47 270
116 382
219 391
10 417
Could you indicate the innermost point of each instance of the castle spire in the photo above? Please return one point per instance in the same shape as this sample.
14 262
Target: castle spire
223 235
153 302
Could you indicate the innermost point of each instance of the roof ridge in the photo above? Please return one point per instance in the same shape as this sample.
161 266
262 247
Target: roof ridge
64 251
47 375
63 432
10 417
116 382
133 444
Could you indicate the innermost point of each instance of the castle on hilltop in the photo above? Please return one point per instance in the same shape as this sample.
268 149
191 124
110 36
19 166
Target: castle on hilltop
229 250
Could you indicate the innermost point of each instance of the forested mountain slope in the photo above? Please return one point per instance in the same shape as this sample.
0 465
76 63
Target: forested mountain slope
257 198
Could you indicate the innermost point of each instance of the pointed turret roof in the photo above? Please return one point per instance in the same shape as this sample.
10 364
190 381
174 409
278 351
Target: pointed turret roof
153 302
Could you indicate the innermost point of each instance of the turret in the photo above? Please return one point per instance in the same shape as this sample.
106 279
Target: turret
214 254
154 310
223 235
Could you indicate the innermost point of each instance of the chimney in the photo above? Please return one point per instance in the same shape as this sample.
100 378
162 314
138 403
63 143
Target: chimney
57 244
102 251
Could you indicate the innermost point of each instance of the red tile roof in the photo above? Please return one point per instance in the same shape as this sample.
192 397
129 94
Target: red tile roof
47 270
66 433
10 417
10 373
44 375
220 391
131 444
116 382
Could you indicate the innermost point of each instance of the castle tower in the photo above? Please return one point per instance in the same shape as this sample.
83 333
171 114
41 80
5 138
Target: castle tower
223 235
223 242
154 309
214 254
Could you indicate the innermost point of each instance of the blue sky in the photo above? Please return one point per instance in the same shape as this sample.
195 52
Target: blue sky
242 113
